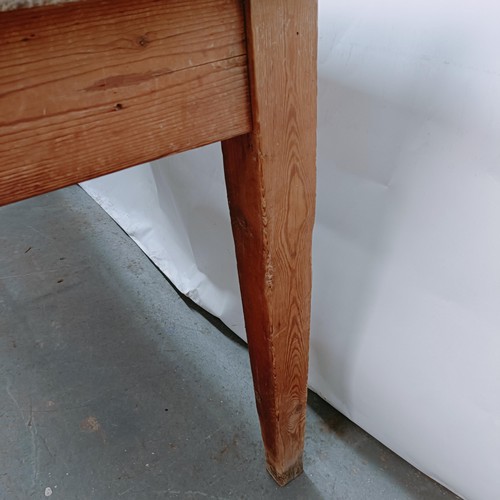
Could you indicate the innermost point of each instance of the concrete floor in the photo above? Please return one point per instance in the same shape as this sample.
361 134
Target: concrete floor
114 387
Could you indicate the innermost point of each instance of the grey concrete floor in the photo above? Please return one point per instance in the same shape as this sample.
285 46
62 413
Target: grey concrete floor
115 387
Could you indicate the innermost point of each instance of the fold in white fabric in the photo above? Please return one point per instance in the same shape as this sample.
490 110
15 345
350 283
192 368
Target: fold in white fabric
21 4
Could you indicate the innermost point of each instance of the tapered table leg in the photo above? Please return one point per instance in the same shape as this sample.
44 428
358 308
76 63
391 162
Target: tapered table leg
270 177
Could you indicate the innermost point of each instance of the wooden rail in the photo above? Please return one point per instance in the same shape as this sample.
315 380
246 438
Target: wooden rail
91 87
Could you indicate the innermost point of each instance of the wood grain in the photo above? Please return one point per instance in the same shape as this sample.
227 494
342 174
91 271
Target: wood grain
91 87
270 178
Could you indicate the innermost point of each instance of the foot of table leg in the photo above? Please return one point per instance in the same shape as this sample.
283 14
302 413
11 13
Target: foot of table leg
270 178
283 478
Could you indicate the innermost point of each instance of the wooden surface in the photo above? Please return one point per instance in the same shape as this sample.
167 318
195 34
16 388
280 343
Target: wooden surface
91 87
270 177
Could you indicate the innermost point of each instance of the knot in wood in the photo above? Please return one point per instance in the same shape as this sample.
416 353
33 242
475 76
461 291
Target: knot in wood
143 41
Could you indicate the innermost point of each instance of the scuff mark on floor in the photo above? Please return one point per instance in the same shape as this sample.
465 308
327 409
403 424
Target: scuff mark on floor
91 424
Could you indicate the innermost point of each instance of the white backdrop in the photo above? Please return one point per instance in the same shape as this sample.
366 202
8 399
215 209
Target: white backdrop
406 294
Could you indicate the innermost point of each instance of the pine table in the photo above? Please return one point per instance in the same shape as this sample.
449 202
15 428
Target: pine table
89 87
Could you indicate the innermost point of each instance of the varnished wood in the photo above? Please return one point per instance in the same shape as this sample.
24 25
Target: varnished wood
91 87
270 177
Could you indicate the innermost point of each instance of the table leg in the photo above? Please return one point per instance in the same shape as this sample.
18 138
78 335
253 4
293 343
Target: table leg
270 178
